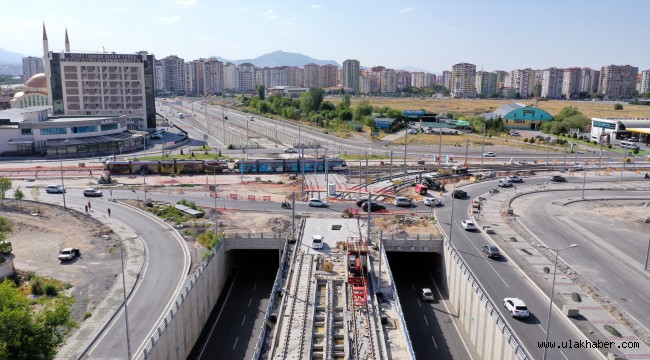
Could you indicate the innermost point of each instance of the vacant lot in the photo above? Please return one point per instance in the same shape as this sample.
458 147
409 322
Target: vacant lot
478 106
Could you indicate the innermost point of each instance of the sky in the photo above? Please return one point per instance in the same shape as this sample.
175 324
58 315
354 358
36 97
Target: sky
427 34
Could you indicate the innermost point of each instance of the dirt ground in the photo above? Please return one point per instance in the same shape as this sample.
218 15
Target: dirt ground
37 240
634 213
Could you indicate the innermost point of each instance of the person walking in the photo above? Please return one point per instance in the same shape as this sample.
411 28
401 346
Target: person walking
86 207
89 207
109 212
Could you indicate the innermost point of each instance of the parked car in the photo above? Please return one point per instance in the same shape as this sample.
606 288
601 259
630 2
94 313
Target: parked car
515 179
68 254
317 241
459 194
516 307
505 183
55 189
92 192
431 201
468 225
360 202
558 178
402 201
413 131
426 294
373 207
490 154
107 158
290 150
317 203
491 251
156 136
633 139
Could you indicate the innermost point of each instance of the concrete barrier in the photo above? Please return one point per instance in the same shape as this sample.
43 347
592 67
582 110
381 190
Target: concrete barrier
7 268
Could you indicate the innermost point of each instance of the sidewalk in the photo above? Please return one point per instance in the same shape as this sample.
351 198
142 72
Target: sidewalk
493 213
134 259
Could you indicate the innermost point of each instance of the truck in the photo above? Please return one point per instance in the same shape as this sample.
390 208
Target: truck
431 183
69 254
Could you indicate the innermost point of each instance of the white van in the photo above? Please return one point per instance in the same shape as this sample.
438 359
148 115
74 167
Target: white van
317 242
107 158
628 145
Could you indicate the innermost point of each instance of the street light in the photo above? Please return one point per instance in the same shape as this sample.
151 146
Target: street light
67 141
550 306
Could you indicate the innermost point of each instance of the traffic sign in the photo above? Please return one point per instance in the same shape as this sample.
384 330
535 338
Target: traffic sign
413 112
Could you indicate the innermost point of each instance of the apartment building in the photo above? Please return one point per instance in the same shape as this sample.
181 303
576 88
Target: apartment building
245 76
520 80
311 76
351 69
618 81
403 79
32 65
388 78
446 79
421 80
589 79
486 83
645 81
501 79
174 75
158 76
329 76
552 83
230 77
571 83
463 80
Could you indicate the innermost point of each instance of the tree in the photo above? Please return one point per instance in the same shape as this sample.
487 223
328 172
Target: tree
345 104
5 185
19 195
261 92
618 106
362 110
311 100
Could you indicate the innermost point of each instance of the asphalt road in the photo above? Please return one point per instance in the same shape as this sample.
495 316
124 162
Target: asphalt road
233 328
560 226
165 269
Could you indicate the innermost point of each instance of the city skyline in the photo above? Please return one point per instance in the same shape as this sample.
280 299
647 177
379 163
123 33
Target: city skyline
458 32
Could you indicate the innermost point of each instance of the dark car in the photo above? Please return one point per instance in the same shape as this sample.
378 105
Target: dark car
558 178
459 194
361 202
373 207
491 251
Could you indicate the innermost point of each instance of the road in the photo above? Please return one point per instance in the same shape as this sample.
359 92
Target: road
165 270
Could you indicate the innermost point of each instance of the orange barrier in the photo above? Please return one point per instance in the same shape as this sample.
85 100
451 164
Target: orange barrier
266 198
251 197
234 196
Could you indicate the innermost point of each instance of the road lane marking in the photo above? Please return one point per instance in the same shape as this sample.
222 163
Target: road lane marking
425 319
541 327
254 285
214 324
564 355
644 298
235 345
249 302
419 303
434 342
242 320
486 260
413 286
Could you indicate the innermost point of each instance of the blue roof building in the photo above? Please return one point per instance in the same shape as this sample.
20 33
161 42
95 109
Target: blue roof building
520 116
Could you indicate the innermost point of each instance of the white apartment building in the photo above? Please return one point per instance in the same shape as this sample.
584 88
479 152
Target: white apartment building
311 76
230 77
486 83
552 83
158 77
520 81
32 65
351 74
446 79
618 81
463 81
403 79
388 78
364 84
645 81
245 77
571 83
174 75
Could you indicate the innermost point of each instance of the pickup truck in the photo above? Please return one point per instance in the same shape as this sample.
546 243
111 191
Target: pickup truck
69 254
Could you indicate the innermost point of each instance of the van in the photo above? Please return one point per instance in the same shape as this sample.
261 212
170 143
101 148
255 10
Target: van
505 183
402 201
107 158
628 145
421 189
317 242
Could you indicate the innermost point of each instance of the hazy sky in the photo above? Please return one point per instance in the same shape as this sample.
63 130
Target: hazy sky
429 34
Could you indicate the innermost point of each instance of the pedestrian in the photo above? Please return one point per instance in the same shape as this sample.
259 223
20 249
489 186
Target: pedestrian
90 173
86 207
89 207
109 212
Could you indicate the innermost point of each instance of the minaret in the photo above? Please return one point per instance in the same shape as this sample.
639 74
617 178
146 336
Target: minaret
67 41
46 65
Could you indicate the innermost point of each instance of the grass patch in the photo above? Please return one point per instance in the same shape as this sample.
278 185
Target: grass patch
209 240
612 330
525 251
87 315
576 297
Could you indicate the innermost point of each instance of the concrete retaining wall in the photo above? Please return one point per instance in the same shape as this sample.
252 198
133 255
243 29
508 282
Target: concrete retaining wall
488 333
7 268
181 328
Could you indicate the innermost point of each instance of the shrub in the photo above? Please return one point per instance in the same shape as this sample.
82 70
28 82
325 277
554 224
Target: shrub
37 286
50 290
618 106
612 330
513 239
525 140
609 146
230 147
576 297
87 315
546 270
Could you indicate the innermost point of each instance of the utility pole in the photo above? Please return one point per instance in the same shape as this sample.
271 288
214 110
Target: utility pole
483 147
624 161
439 147
293 216
600 153
566 149
366 171
390 169
466 150
302 170
406 141
369 210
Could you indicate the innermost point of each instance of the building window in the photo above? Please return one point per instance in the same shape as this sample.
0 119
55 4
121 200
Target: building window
26 132
54 131
519 121
107 127
84 129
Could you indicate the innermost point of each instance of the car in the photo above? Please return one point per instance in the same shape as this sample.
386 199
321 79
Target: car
516 307
317 203
505 183
468 225
633 139
491 251
290 150
107 158
317 242
558 178
156 136
360 202
489 154
402 201
69 254
55 189
431 201
413 131
459 194
426 294
373 207
92 192
515 179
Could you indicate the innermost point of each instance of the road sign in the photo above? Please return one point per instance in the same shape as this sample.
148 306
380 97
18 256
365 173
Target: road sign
413 112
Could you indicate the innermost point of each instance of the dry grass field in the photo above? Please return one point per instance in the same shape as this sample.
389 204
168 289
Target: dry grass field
590 109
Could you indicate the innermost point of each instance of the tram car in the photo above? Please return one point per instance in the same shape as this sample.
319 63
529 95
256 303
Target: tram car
166 166
261 166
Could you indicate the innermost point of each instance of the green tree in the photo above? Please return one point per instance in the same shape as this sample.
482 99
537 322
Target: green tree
311 100
345 104
261 93
5 185
362 110
618 106
19 195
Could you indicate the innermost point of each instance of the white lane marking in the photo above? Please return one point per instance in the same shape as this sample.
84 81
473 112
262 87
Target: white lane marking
249 302
419 302
254 285
541 327
644 298
235 345
217 320
434 342
242 320
486 260
425 319
564 355
413 286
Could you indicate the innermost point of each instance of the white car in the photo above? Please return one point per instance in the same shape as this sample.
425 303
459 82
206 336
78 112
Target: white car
413 131
505 183
317 241
516 307
92 192
489 154
290 150
55 189
468 225
426 294
430 201
402 201
317 203
515 179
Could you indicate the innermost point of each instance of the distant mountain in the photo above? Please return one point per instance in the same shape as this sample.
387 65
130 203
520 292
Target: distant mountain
281 58
11 58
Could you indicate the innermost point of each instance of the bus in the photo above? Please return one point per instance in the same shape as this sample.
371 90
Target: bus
628 145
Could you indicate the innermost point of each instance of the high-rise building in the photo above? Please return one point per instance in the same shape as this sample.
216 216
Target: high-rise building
388 81
158 77
351 69
463 80
446 79
213 83
571 83
552 83
364 84
421 80
645 81
230 77
329 75
618 81
245 76
404 79
174 75
311 76
501 78
589 80
520 80
101 84
486 83
32 65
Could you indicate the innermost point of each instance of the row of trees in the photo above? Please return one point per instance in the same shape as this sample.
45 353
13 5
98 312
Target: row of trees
6 185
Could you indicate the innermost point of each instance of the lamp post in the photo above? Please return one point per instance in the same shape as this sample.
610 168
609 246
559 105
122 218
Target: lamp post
406 141
483 147
451 221
624 161
550 306
67 141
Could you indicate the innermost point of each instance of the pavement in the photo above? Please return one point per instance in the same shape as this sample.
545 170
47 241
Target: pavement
91 328
494 214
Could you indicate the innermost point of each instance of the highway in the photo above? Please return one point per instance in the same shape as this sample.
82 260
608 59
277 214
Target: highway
166 267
